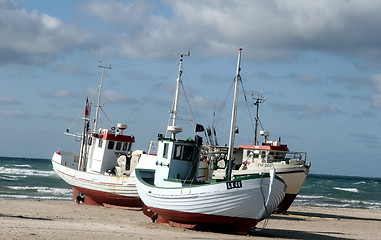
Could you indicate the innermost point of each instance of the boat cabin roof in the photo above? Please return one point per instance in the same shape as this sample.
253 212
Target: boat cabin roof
266 147
115 137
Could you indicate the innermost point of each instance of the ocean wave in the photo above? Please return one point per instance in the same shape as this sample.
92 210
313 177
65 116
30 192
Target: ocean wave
9 178
2 196
361 182
54 191
354 190
309 196
23 165
26 172
321 201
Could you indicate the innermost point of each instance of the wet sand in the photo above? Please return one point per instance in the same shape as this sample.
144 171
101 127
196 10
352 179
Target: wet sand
28 219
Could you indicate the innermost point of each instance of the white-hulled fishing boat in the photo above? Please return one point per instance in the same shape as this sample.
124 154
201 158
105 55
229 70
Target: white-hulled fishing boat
292 167
181 191
103 172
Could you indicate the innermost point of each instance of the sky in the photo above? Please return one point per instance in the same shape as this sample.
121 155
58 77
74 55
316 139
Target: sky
317 63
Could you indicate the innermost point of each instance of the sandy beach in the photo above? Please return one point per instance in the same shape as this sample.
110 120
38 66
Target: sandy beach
26 219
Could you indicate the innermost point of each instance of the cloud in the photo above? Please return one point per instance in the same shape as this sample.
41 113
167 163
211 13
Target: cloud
306 110
32 38
369 140
57 116
8 100
110 96
351 82
59 94
365 114
269 30
304 78
12 114
71 69
376 97
335 95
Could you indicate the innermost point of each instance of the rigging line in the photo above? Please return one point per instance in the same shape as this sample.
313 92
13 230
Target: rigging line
260 123
83 109
222 107
192 102
106 116
150 94
188 107
247 104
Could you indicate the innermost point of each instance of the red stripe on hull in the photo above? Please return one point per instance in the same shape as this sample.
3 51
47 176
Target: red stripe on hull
198 220
107 199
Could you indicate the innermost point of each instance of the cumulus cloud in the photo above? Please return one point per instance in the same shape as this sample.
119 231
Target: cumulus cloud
59 94
376 97
71 69
307 110
8 100
268 29
111 96
350 82
61 117
369 140
304 78
12 113
33 38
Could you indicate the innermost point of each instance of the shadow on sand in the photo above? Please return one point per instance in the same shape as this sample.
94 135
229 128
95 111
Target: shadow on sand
292 215
25 217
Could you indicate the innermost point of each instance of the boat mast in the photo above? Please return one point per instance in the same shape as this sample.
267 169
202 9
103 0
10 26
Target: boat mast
99 96
258 100
85 137
173 128
237 79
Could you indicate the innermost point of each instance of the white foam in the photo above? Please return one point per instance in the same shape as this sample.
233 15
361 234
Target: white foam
354 190
54 191
361 182
309 196
24 165
26 172
3 196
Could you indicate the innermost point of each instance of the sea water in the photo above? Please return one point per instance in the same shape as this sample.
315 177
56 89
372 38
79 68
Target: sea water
25 178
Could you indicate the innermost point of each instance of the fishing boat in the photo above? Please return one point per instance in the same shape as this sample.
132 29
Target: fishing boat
292 167
102 173
180 190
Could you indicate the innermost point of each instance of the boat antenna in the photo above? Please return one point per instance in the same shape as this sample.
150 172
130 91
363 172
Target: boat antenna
173 128
237 79
99 95
258 99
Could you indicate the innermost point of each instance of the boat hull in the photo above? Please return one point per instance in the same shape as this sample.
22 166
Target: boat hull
292 175
100 189
238 208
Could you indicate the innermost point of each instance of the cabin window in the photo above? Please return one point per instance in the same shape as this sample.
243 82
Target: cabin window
188 153
111 145
252 154
118 146
125 146
177 152
89 141
277 156
183 152
100 143
165 151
